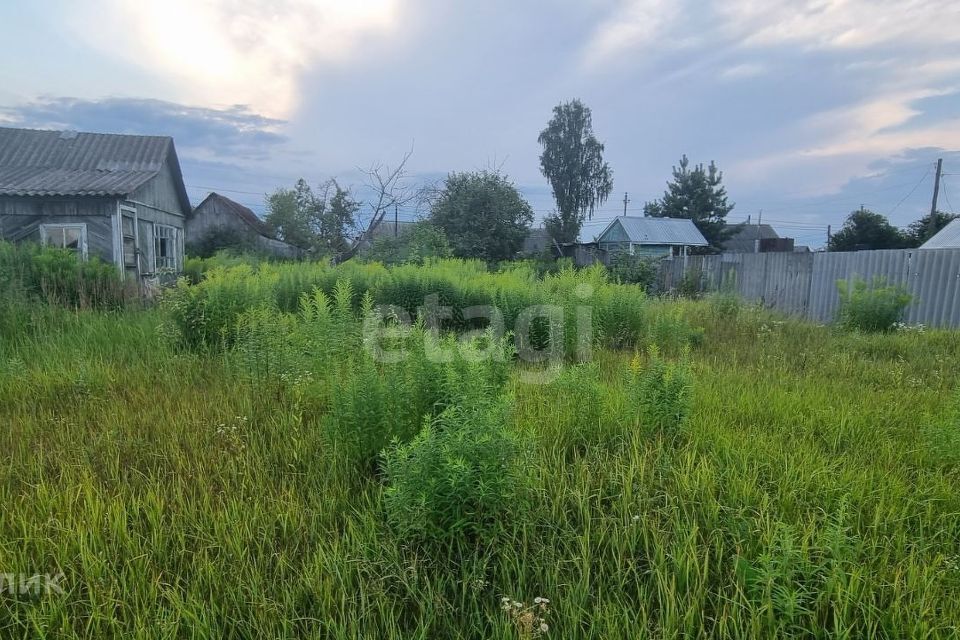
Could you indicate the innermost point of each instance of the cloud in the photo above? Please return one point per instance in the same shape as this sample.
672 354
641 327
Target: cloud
234 132
233 51
840 24
633 25
744 70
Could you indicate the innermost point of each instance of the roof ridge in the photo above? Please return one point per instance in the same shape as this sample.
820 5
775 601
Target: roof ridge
90 133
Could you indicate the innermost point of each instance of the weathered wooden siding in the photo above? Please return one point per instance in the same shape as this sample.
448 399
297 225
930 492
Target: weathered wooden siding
20 220
211 218
161 193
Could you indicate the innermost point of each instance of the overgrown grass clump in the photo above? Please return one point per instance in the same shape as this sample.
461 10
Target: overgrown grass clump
872 306
258 463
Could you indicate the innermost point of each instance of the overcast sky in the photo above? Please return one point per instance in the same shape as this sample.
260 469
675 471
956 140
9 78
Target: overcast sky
809 108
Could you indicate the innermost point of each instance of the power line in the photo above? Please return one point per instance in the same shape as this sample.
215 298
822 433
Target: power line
903 199
943 188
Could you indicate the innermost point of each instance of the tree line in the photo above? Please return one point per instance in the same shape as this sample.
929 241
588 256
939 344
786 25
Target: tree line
481 214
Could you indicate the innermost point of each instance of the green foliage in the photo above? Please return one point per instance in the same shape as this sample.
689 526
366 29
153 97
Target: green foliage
696 194
690 285
871 307
926 227
418 244
122 451
633 269
482 215
204 316
663 393
725 306
460 482
572 161
865 230
577 398
320 222
57 276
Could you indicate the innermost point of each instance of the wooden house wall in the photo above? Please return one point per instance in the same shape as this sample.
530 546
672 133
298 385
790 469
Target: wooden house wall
20 220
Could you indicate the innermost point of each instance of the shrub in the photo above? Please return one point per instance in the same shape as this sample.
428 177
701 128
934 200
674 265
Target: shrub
662 391
866 307
633 269
459 480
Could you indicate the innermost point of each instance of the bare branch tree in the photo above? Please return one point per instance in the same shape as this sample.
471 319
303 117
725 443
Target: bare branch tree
390 189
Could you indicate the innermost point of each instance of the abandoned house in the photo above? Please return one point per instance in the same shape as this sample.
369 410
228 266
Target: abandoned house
119 198
220 223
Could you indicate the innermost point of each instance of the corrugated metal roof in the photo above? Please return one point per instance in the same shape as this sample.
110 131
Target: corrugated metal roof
947 238
55 163
591 229
660 231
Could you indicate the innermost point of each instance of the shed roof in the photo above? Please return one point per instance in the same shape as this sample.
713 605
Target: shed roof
946 238
68 163
230 206
658 231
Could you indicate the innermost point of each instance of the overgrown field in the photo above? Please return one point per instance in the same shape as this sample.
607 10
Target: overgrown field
251 459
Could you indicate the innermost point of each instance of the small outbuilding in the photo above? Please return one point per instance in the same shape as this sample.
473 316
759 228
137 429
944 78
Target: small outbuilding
221 223
120 198
755 238
649 237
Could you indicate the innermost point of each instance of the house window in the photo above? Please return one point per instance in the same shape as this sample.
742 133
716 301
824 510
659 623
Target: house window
65 236
165 242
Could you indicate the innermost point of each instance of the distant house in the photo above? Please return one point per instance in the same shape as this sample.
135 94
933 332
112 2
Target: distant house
120 198
649 237
536 242
220 223
946 238
756 238
392 228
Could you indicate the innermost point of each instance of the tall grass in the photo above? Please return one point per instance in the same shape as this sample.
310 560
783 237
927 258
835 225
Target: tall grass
778 479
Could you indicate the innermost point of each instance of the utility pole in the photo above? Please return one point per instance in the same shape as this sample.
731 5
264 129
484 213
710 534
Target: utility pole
756 246
396 221
626 199
829 238
932 225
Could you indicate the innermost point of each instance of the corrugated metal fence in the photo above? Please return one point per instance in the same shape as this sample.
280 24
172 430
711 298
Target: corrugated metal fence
805 284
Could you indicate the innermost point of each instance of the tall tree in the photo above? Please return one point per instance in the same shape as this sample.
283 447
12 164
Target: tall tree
482 214
866 230
321 222
339 219
294 215
572 161
928 226
699 195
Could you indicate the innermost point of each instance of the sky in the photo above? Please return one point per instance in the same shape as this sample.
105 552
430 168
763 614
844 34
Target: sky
810 108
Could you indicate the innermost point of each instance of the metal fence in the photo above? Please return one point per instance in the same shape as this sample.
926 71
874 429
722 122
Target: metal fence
805 284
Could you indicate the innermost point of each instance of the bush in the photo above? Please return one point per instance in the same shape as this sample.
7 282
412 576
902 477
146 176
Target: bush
633 269
459 480
871 308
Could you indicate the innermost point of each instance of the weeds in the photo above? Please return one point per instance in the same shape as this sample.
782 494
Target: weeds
264 476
